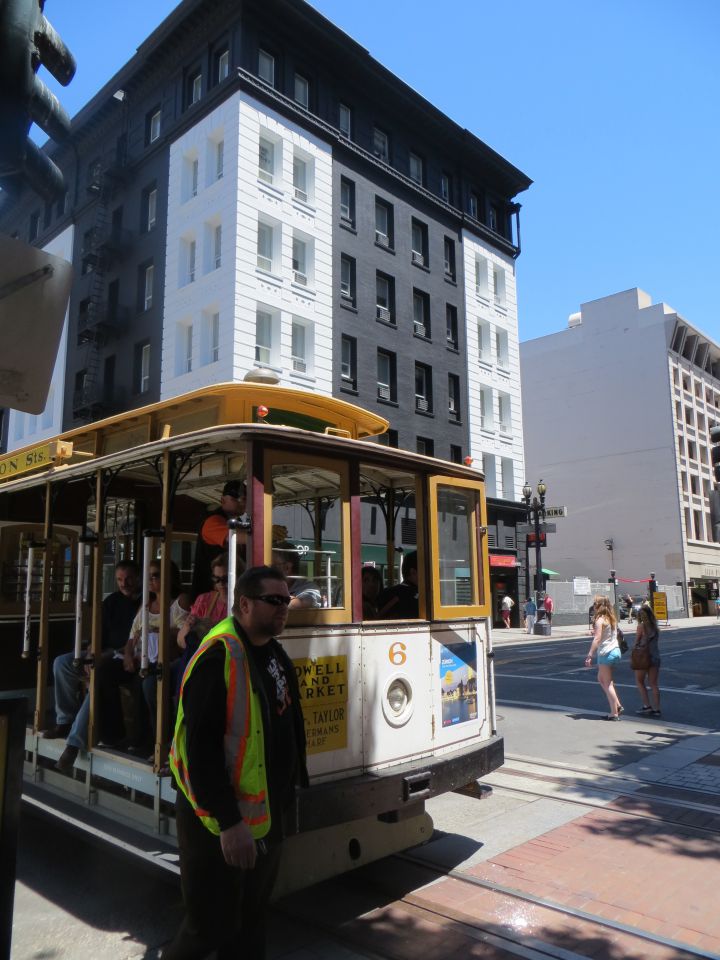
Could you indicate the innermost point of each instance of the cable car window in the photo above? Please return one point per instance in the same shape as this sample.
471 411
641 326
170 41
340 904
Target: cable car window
308 531
456 520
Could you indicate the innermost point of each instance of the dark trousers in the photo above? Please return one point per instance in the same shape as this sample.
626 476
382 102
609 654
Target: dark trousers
111 676
225 907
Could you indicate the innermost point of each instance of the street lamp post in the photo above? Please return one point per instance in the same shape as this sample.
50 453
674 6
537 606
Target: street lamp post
535 508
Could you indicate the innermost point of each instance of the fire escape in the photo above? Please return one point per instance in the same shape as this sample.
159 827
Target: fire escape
101 315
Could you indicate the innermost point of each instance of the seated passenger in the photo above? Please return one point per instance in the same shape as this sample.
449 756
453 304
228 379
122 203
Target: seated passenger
401 601
305 593
118 611
207 610
372 584
179 611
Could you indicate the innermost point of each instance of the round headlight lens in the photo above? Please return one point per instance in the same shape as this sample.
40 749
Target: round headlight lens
398 697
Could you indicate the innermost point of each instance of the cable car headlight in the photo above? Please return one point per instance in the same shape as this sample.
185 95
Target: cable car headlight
397 701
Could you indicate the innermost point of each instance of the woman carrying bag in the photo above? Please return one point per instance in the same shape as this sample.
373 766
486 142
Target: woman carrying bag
645 661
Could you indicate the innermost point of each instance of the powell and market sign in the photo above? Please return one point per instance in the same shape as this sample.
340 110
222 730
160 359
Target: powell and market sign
36 458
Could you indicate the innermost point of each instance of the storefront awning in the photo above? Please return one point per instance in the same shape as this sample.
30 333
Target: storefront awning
502 560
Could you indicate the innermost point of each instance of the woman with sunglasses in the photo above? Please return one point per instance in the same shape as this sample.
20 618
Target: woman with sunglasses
208 609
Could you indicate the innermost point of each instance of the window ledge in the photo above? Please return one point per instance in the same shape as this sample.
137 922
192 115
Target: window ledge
387 403
422 336
501 308
304 207
420 266
385 248
449 278
425 413
304 377
482 298
452 347
277 193
348 305
346 388
455 421
268 366
347 225
485 364
310 292
273 278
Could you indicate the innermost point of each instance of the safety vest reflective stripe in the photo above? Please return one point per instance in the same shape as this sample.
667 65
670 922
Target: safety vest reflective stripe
244 742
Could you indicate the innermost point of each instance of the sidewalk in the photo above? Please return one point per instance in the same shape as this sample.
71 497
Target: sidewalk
581 630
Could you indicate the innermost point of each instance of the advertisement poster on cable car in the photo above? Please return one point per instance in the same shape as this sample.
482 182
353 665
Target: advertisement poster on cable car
458 683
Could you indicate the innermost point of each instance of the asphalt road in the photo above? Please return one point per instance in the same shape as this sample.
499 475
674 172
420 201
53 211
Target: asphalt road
553 674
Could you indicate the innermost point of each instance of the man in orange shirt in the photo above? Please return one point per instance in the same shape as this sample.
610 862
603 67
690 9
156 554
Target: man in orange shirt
213 537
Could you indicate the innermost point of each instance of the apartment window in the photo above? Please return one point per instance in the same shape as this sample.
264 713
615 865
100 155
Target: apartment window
417 168
263 336
347 279
149 208
425 446
300 179
265 246
189 177
423 388
347 200
484 350
34 230
454 397
474 206
184 344
501 348
449 257
302 90
219 159
266 160
194 88
419 243
210 337
188 260
300 345
266 67
507 475
217 246
456 453
481 277
147 278
152 126
389 438
222 65
421 314
348 361
345 120
383 224
494 221
446 187
385 298
381 144
451 326
300 261
504 413
386 375
141 372
487 420
499 286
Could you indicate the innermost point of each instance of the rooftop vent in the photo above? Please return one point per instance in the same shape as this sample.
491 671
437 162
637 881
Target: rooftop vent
575 319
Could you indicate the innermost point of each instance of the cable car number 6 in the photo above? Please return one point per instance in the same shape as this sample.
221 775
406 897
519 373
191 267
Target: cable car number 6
396 653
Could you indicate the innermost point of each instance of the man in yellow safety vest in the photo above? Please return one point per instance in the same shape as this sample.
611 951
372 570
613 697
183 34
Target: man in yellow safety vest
237 756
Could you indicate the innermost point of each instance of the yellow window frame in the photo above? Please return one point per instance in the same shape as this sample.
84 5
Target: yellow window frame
274 457
480 576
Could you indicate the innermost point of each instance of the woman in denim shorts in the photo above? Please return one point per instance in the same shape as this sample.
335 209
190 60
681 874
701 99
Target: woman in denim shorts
605 646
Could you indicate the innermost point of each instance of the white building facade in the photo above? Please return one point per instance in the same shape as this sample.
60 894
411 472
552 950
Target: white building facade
617 410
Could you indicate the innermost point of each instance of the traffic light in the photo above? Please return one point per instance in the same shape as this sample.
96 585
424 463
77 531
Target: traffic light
613 577
652 584
27 40
531 538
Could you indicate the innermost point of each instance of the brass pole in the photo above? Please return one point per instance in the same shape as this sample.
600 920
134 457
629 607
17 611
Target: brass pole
43 653
96 620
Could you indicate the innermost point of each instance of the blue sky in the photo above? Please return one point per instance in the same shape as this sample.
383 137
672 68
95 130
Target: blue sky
611 108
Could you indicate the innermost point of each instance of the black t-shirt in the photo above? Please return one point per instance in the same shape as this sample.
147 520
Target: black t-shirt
282 745
401 602
118 613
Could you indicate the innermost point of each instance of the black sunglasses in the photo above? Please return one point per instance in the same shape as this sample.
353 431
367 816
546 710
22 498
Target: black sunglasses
274 599
219 579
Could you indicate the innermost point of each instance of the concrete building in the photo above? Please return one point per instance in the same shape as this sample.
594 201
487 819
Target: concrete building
617 410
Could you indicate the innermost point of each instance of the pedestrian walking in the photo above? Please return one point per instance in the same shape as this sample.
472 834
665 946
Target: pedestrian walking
237 757
605 646
505 609
530 614
549 607
645 661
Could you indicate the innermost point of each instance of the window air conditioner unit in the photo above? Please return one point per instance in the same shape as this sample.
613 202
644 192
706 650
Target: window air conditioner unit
419 329
382 238
301 195
384 391
421 403
300 278
383 313
418 258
